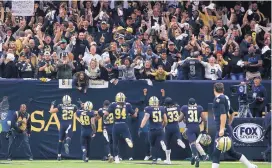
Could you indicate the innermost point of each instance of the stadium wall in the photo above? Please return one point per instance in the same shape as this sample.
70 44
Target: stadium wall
38 96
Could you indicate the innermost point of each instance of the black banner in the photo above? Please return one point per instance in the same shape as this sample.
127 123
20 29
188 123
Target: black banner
248 132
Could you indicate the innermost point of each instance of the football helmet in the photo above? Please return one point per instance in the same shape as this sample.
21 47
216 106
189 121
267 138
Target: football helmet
66 100
153 101
223 143
205 139
120 97
88 106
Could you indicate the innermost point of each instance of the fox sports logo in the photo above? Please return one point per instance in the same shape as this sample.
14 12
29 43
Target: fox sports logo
248 133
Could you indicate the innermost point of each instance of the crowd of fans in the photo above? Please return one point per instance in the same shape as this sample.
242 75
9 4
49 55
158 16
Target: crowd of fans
157 40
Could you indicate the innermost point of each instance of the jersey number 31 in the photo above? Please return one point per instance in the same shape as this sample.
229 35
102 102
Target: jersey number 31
193 116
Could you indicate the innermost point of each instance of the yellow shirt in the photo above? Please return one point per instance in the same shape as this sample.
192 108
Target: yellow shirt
222 63
160 76
19 45
206 19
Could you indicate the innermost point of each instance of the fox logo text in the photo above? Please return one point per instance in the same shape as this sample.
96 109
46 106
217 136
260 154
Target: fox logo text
248 133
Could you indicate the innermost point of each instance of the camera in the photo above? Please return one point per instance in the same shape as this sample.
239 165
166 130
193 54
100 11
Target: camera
240 90
243 91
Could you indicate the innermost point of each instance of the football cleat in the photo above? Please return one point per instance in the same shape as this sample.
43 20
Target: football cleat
147 158
196 161
84 156
253 166
116 159
193 160
110 159
159 159
129 142
154 161
205 157
180 143
167 162
130 159
59 158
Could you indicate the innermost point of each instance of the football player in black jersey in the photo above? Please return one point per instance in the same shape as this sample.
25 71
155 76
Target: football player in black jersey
221 109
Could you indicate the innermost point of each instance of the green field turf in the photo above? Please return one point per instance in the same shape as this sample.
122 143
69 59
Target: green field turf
123 164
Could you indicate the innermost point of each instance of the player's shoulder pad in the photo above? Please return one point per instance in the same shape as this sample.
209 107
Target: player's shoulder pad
146 108
200 107
162 107
113 103
128 104
183 107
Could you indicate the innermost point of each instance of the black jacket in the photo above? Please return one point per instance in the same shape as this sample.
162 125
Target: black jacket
10 70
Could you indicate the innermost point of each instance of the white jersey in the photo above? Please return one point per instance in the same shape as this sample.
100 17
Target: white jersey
89 57
211 71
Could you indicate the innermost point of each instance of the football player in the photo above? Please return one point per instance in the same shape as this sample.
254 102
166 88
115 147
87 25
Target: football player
66 120
192 114
221 108
157 121
172 128
120 110
108 121
88 129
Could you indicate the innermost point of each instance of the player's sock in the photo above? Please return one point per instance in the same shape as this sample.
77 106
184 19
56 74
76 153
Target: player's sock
166 155
68 141
194 150
129 142
59 148
244 160
200 149
215 165
180 143
163 145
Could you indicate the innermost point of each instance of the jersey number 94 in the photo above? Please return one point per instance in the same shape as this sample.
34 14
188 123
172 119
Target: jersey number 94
120 113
